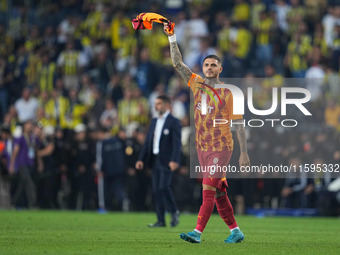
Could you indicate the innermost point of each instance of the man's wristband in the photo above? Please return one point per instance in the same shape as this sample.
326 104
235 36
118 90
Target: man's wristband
172 38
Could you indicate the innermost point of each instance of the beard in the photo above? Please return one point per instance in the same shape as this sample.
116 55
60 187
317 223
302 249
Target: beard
211 75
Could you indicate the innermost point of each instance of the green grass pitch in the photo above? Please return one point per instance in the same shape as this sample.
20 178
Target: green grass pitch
49 232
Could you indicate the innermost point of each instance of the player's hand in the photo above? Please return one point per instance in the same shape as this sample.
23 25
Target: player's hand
139 165
244 159
100 174
40 168
286 191
173 165
309 189
166 26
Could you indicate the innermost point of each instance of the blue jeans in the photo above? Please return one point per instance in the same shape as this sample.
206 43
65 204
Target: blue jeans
264 53
299 74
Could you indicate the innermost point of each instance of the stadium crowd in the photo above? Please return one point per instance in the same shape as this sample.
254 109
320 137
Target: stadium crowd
74 72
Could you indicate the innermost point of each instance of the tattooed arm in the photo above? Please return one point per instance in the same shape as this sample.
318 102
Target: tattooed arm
177 60
241 137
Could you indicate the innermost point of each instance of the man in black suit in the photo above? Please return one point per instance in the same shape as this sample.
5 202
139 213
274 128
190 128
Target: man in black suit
161 151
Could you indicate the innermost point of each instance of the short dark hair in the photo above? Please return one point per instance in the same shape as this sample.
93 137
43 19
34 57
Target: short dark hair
214 57
165 99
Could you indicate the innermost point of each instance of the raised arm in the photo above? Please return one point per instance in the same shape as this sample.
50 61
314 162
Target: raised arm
176 57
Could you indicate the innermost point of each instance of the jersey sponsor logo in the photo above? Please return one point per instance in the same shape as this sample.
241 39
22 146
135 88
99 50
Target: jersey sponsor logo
203 107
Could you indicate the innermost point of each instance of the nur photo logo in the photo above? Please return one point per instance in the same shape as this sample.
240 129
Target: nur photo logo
295 96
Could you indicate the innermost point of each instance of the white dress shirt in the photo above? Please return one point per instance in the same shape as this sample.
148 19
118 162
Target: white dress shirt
158 131
27 109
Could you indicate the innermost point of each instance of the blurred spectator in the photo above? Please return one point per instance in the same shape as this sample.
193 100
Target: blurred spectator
97 108
147 77
103 70
138 181
225 37
239 51
329 21
128 48
114 89
46 180
82 176
297 56
21 167
66 29
6 153
298 190
321 182
46 73
109 117
112 166
33 60
43 98
57 108
336 46
315 76
159 91
241 11
86 92
205 50
295 16
75 112
127 108
264 30
332 81
6 78
118 21
93 18
196 28
33 40
332 114
178 106
50 39
282 9
6 41
62 154
20 64
70 62
44 120
256 8
181 30
319 41
26 106
154 41
142 107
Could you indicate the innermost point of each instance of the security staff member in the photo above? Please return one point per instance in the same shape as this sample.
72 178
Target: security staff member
161 151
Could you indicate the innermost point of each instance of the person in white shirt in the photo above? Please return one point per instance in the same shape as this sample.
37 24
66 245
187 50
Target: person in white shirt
315 76
26 106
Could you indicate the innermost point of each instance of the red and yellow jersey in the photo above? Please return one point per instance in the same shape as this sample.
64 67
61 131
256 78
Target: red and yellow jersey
208 137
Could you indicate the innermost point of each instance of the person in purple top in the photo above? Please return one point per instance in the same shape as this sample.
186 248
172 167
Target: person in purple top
22 163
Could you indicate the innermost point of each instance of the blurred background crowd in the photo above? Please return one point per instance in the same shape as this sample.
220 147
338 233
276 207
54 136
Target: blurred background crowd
74 73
